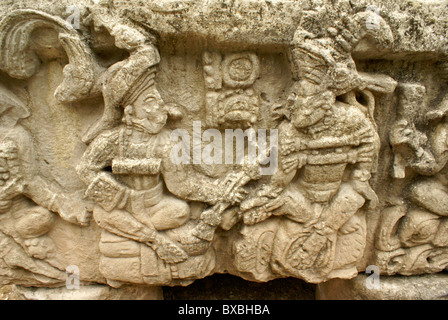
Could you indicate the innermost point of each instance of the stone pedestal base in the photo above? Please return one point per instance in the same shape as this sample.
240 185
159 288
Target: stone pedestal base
92 292
424 287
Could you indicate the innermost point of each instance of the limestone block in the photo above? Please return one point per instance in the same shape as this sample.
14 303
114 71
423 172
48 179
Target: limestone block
92 292
425 287
154 143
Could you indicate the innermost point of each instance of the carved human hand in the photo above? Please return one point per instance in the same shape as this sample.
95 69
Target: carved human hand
72 209
259 214
364 189
264 196
400 133
8 190
232 187
278 111
256 215
289 145
290 163
275 204
168 251
293 161
213 215
76 83
365 135
436 114
403 132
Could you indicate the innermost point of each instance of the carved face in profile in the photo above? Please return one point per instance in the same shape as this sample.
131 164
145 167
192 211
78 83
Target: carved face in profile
148 111
305 114
306 107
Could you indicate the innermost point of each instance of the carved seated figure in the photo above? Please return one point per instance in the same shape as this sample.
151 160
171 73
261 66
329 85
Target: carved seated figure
309 222
29 203
150 235
144 226
428 157
412 235
424 225
327 150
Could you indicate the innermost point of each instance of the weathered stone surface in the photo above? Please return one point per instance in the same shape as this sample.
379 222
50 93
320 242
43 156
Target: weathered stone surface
153 143
425 287
92 292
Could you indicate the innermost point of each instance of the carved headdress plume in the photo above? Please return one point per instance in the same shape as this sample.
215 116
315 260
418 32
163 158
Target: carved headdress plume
124 81
324 58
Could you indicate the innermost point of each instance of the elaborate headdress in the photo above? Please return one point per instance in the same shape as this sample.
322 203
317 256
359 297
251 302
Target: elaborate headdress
324 58
122 84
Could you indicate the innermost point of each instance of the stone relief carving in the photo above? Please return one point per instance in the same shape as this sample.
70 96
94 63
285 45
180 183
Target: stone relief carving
306 228
20 61
412 232
147 235
150 220
29 202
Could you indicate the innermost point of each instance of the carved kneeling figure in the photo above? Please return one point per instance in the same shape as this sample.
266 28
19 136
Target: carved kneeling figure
144 239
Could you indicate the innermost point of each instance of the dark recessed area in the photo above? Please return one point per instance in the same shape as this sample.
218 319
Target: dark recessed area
228 287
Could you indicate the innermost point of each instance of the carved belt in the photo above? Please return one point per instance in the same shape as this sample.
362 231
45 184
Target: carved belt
136 166
320 192
149 197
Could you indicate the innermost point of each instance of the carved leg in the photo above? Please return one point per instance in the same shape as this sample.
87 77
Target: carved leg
169 213
431 195
122 223
351 241
308 250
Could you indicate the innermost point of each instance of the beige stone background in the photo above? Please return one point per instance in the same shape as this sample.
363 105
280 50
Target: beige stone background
419 27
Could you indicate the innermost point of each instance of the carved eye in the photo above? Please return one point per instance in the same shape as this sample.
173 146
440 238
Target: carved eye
150 98
151 104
